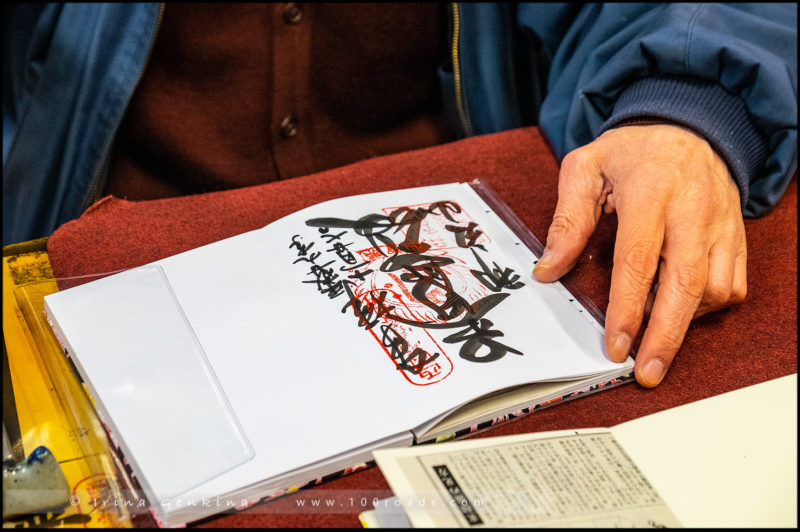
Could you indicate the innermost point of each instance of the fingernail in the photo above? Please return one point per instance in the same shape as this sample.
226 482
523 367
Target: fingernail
621 347
547 255
652 372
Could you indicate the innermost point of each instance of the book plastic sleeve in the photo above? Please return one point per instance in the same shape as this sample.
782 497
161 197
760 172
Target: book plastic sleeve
529 240
192 412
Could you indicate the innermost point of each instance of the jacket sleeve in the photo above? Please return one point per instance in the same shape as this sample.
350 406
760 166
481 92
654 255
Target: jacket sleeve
21 59
728 72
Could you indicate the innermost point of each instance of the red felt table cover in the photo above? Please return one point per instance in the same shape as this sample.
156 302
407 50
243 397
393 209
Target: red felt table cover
729 349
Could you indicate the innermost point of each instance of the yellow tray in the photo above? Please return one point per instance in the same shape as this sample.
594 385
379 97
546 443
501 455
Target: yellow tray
52 405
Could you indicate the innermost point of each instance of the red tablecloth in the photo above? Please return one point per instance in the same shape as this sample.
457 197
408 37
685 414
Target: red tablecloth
736 347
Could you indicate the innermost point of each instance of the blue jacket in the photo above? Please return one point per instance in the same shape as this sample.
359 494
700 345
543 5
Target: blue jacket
727 71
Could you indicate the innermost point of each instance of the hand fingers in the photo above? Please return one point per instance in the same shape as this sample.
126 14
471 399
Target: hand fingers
651 299
727 280
739 288
580 198
721 268
651 295
727 263
680 291
640 234
726 284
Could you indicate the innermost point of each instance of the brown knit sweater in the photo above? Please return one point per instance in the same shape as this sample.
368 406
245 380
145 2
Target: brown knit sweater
242 94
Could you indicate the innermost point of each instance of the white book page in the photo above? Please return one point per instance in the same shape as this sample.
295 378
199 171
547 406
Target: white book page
312 372
726 461
574 478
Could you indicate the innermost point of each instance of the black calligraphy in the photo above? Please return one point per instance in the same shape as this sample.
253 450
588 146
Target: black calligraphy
399 237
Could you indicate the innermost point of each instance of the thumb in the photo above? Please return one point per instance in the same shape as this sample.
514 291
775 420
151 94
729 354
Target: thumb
581 194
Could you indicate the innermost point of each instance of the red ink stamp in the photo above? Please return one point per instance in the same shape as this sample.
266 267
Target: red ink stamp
413 284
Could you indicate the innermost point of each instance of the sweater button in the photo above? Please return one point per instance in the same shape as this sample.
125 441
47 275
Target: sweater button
292 13
288 128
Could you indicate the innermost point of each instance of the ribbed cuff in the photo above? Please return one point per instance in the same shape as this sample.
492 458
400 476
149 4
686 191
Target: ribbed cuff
705 107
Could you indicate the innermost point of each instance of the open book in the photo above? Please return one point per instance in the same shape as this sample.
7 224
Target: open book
728 461
278 356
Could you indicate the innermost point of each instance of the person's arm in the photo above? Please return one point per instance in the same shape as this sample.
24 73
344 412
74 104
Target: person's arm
717 84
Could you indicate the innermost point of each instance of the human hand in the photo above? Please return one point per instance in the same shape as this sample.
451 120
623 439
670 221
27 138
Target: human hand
675 201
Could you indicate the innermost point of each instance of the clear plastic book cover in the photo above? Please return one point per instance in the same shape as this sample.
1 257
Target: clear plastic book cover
159 415
529 240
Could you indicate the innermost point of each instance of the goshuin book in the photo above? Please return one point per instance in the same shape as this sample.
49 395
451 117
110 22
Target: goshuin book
261 362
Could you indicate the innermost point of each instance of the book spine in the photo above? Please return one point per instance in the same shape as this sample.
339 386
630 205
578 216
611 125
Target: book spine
480 427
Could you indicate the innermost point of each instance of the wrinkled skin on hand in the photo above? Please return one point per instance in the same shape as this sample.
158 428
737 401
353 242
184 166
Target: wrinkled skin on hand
679 217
